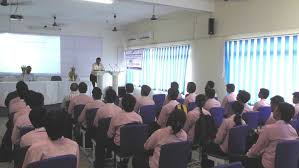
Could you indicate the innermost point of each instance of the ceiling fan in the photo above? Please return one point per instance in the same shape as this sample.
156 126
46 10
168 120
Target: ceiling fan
114 28
54 26
7 3
154 17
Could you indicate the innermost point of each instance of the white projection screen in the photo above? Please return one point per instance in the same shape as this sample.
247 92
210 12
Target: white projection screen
41 52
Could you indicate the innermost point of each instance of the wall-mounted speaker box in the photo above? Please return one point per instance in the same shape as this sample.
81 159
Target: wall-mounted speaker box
211 26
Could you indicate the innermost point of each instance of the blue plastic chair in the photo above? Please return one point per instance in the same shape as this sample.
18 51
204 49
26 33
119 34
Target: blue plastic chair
264 114
66 161
159 99
287 154
175 155
148 114
295 124
251 119
90 115
181 100
237 142
232 165
218 114
191 106
25 130
77 111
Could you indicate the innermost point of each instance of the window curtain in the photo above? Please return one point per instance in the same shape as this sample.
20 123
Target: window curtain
161 66
265 62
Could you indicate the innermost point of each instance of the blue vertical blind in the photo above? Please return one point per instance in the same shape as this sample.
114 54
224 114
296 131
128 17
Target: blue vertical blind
161 66
265 62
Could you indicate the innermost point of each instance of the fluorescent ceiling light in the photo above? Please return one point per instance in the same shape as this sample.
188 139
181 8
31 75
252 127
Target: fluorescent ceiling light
101 1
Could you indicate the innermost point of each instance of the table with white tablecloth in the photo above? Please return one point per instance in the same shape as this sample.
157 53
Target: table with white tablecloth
53 91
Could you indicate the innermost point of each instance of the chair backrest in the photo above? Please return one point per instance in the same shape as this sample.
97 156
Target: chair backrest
251 119
295 124
228 107
237 140
90 115
287 154
264 114
101 133
148 114
218 114
191 106
65 161
77 111
19 156
181 100
232 165
175 155
56 78
25 130
159 99
133 137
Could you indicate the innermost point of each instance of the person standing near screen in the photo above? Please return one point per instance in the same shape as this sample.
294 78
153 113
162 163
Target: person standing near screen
97 66
28 75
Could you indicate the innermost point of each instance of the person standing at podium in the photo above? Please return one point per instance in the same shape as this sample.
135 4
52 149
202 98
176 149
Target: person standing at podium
97 66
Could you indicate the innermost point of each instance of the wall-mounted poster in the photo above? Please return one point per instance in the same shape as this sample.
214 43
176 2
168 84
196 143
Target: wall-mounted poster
134 59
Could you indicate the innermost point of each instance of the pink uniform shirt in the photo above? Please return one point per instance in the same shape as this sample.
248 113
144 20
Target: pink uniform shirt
81 99
165 112
268 140
166 101
228 99
161 137
190 98
143 101
16 104
94 104
120 120
35 136
49 149
22 121
20 112
109 110
247 108
271 119
223 132
211 103
259 104
192 117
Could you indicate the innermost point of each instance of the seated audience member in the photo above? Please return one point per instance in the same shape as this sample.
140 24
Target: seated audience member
56 145
274 102
37 118
35 101
109 109
74 92
169 107
97 103
272 134
230 97
211 102
126 116
244 97
175 86
263 95
211 85
130 88
191 96
194 115
28 76
16 103
20 87
82 98
221 141
296 102
144 99
172 133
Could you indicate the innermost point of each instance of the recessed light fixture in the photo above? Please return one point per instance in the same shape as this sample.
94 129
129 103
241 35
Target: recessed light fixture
101 1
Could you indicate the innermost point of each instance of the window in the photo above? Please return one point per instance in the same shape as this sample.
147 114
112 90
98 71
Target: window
161 66
265 62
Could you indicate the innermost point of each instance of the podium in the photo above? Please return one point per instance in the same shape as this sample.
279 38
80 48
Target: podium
114 75
100 75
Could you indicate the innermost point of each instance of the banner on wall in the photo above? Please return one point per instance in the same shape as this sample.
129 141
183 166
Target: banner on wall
134 59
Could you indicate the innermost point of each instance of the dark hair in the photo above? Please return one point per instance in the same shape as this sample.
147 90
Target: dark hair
276 100
264 93
210 93
191 87
176 120
34 99
210 84
129 88
230 88
37 117
200 100
145 90
237 108
22 89
286 111
243 96
98 58
54 124
172 94
110 96
174 85
74 87
128 102
96 93
82 87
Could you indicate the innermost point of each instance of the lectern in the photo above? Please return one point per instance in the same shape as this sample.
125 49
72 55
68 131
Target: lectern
114 75
100 75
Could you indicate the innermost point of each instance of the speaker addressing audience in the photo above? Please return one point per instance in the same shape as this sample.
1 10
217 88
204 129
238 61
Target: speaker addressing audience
263 95
97 66
191 96
274 102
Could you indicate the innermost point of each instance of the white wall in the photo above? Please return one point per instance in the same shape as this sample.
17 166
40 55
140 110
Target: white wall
233 19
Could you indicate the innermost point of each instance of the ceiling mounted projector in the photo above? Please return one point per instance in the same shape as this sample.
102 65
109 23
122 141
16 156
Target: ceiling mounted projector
16 17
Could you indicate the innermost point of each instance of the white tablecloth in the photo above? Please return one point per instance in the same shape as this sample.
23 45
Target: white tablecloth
53 91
